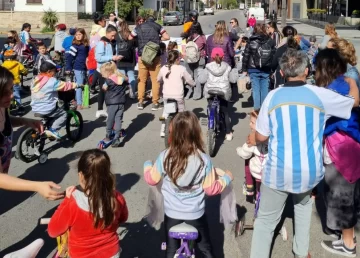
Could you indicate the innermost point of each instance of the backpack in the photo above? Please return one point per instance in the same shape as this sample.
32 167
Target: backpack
149 53
192 53
124 49
91 63
94 39
264 54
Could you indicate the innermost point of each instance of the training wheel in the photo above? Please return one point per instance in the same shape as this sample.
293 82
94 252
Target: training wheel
283 233
43 158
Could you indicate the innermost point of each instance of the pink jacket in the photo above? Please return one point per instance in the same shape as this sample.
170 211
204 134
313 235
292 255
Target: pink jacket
252 22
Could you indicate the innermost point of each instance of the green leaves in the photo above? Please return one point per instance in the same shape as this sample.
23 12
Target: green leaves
50 18
124 7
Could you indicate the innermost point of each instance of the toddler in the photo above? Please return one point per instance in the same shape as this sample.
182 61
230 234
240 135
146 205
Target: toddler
91 211
41 57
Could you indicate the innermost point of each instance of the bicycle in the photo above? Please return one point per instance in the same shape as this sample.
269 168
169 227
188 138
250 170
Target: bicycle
216 120
29 251
187 234
31 139
170 108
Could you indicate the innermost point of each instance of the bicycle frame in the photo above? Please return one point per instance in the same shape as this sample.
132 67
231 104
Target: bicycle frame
214 113
72 113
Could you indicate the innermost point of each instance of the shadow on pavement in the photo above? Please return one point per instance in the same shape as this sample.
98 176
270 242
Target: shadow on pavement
137 124
38 172
126 181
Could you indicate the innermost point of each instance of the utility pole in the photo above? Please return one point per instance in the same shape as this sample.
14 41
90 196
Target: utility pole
116 8
283 13
347 8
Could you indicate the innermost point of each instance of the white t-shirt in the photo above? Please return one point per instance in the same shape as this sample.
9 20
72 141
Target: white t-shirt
24 37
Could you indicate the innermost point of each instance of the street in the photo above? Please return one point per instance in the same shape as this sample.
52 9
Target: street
20 212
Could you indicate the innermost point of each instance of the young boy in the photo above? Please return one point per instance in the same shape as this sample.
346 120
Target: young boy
68 40
42 56
16 68
57 41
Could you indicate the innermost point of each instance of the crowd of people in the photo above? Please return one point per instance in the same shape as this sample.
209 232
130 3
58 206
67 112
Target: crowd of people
304 126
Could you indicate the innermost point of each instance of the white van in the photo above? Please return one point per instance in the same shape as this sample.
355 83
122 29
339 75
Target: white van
258 12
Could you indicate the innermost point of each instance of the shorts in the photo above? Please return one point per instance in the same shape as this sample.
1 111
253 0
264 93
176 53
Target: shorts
341 199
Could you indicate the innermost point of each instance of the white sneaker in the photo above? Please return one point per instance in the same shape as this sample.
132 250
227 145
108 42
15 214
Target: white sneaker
162 130
229 137
101 113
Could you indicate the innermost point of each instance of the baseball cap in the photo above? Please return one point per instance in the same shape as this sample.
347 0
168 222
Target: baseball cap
61 26
72 31
217 52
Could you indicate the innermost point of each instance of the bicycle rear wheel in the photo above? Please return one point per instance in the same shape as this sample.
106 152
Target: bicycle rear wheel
29 146
211 140
74 125
167 131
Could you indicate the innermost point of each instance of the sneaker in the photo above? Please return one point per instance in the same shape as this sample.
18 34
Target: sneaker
101 113
155 107
51 133
162 130
21 111
140 106
116 143
338 247
229 137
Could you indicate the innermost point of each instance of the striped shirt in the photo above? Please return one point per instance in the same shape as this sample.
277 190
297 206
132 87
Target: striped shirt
294 118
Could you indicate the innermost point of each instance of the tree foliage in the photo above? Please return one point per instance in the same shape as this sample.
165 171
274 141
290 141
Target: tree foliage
124 7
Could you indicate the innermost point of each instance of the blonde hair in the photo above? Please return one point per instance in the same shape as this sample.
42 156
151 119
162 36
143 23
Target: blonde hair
109 69
347 51
330 30
220 32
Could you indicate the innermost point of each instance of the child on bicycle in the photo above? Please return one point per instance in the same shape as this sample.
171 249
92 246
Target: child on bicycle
173 76
218 75
91 211
76 59
28 41
254 156
44 97
17 69
10 43
187 175
115 99
41 57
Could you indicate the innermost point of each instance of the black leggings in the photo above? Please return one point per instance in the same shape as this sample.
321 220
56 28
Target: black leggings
202 243
224 108
101 94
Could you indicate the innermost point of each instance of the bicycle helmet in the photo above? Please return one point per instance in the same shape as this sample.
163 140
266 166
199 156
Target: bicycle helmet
193 14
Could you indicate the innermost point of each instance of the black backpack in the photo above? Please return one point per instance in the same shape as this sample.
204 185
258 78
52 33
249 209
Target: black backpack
125 49
264 54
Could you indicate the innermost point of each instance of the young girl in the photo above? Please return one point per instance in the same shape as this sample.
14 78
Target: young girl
115 99
172 46
341 156
218 75
173 76
76 59
27 40
187 175
19 46
254 156
91 211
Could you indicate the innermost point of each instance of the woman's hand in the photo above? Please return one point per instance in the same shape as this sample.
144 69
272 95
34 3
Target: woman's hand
48 190
69 191
35 124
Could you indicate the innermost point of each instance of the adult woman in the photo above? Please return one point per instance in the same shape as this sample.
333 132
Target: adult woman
196 34
7 122
330 33
221 40
235 28
348 53
274 32
126 49
291 43
114 20
254 65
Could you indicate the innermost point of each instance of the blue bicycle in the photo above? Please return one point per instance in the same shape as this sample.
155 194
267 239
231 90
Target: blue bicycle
216 120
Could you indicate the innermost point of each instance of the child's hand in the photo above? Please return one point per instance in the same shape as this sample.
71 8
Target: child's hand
104 87
69 191
227 172
251 140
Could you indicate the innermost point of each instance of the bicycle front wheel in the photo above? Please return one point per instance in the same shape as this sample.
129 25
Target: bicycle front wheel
74 125
167 131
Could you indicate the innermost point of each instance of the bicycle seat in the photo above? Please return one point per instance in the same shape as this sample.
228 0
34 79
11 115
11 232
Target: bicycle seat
183 231
29 251
216 93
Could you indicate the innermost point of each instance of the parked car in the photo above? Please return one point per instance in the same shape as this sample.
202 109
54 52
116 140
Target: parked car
174 18
208 10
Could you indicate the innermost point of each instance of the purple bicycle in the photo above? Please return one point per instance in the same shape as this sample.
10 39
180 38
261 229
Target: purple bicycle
187 234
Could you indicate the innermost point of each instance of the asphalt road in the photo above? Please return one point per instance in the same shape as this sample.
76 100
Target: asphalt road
20 212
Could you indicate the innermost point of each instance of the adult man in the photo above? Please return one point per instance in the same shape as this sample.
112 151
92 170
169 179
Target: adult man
292 118
145 32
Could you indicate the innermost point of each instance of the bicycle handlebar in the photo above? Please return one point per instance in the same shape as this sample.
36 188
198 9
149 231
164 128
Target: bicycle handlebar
45 221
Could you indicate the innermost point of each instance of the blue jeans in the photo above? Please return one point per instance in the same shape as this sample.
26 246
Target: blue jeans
130 73
17 95
80 80
260 87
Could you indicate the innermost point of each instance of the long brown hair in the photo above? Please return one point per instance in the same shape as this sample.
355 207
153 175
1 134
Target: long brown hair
124 30
95 166
186 140
84 41
330 30
15 35
173 55
221 32
260 29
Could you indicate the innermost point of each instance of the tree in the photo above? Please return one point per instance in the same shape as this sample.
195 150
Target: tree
124 7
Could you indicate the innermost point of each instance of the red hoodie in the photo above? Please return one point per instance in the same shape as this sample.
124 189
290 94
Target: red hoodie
85 240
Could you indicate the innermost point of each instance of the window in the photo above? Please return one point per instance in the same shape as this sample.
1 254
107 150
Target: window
34 1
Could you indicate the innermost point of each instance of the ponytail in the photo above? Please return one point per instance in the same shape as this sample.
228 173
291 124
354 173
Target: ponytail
218 59
173 55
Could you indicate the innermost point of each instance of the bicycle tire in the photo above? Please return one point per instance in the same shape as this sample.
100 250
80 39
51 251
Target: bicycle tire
24 137
211 135
167 132
79 123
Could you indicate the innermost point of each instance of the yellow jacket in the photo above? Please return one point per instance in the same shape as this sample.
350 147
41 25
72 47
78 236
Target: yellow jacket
16 68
